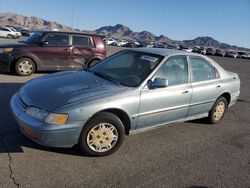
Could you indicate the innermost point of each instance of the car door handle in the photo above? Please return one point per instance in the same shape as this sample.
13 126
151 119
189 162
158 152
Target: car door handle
184 92
218 86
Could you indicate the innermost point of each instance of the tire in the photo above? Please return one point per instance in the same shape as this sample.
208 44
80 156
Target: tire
218 110
9 36
24 67
102 135
92 63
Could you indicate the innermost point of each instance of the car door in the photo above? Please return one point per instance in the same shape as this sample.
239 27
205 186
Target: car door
3 32
162 105
54 53
82 50
205 84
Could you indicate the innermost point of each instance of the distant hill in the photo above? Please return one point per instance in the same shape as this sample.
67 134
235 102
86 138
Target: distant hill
121 31
32 23
117 31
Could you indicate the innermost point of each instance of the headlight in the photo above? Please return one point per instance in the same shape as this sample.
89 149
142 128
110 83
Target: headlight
56 118
6 50
37 113
43 115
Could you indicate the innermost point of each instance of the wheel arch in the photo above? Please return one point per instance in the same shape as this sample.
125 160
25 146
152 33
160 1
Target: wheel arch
227 96
122 115
96 58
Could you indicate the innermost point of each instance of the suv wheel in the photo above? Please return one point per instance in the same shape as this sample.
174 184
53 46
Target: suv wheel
9 36
24 67
102 135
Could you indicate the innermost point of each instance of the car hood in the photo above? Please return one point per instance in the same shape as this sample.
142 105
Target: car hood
59 89
11 44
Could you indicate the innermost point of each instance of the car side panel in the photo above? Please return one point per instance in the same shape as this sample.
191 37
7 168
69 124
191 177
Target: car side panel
204 95
163 105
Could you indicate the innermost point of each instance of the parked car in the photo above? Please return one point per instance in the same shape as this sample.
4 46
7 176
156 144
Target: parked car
52 51
231 54
112 42
202 50
122 43
219 52
187 49
131 91
211 51
9 33
133 44
23 31
244 55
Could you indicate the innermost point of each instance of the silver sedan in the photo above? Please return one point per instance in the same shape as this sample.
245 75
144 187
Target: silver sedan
131 91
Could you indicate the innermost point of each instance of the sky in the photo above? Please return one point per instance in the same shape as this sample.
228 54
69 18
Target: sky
227 21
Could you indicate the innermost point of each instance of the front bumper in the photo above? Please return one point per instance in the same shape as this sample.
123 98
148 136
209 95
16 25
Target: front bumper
66 135
5 60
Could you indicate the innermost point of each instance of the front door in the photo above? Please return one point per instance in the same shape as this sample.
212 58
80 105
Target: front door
55 55
161 105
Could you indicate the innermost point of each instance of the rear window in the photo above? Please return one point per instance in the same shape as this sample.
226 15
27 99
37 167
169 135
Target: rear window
57 40
82 41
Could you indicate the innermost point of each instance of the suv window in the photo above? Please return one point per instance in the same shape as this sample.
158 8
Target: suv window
202 70
82 41
4 29
57 40
175 71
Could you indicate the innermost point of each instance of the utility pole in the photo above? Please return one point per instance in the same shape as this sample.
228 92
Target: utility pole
72 17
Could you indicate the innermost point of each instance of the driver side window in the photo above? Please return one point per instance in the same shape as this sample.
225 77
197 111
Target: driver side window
175 70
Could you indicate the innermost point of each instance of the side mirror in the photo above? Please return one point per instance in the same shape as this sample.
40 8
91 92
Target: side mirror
158 83
44 43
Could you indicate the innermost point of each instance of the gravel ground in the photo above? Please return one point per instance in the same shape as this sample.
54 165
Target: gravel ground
190 154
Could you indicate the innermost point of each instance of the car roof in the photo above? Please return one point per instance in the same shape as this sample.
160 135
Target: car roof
69 32
162 51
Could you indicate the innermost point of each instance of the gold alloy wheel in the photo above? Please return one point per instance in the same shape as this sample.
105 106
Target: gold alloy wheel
102 137
25 67
219 110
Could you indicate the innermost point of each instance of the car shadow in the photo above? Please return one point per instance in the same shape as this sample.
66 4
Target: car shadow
203 121
11 138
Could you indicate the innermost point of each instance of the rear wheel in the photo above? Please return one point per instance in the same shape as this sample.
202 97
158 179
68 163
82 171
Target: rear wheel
218 110
102 135
24 67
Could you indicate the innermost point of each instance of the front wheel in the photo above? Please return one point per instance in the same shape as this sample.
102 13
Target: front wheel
218 110
9 36
24 67
102 135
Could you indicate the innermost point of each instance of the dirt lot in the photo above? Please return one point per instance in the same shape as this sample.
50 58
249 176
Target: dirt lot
189 154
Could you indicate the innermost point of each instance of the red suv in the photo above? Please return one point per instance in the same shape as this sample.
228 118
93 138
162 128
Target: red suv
52 51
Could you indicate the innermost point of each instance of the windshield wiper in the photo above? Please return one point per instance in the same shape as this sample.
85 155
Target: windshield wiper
106 77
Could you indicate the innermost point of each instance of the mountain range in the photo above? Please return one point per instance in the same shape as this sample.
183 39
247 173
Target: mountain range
118 31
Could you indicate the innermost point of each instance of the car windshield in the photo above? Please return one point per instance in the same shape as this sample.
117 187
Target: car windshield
34 38
129 68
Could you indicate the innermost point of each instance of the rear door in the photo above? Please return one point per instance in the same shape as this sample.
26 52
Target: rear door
55 55
205 84
82 50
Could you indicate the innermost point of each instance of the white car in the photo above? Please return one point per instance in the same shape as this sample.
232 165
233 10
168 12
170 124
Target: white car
9 33
122 43
111 41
